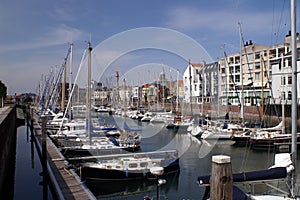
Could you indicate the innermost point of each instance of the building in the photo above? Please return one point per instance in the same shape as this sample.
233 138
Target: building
191 82
201 82
256 74
280 65
249 81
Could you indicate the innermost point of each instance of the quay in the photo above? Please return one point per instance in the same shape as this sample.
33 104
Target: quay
8 124
64 183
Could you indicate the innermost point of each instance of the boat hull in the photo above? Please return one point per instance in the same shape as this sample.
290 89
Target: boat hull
271 143
96 174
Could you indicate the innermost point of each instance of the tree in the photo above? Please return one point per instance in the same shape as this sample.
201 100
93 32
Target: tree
3 90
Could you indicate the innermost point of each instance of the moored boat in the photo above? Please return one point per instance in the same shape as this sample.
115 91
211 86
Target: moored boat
130 166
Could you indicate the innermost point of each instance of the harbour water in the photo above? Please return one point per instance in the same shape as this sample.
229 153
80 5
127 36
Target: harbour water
27 179
195 160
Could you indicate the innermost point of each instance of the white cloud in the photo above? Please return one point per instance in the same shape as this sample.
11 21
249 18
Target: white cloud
223 21
58 35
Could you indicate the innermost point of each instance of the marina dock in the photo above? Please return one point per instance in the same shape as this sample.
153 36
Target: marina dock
66 183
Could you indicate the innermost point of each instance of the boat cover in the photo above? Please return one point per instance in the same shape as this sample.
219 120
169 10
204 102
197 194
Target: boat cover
273 173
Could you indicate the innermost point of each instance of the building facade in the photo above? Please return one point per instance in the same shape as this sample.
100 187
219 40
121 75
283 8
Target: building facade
256 74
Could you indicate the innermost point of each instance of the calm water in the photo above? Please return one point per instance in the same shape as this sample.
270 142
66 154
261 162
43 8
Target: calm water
28 182
195 160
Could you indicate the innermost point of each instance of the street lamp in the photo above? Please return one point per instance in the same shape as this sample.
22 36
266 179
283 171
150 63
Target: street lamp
157 171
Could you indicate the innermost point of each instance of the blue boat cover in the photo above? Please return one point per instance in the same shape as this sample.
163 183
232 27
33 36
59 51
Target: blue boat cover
273 173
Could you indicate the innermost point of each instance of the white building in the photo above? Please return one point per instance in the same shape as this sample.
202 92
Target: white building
191 82
280 64
265 75
201 82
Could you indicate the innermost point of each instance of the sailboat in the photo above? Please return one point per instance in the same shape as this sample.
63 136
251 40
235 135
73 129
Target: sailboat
289 167
88 139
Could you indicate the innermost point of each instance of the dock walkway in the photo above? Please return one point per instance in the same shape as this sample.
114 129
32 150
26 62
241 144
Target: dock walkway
67 183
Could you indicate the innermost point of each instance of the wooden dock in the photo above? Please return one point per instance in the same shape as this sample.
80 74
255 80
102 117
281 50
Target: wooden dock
67 183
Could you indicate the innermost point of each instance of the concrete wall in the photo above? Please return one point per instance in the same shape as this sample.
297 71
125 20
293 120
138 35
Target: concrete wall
8 130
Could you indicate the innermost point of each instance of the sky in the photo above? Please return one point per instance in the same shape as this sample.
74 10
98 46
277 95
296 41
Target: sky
129 34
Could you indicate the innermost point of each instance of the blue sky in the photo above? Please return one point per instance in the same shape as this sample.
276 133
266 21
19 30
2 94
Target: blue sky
35 34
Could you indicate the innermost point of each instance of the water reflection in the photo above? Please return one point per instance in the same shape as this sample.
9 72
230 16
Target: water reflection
133 189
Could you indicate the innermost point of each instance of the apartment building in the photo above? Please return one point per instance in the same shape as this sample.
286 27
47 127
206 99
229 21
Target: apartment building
256 74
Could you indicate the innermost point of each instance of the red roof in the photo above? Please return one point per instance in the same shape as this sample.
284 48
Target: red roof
196 64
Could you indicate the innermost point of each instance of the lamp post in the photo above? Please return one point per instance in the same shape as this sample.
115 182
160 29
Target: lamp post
157 171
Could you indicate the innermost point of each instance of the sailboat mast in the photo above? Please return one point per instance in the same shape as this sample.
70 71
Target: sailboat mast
294 91
190 78
242 73
177 92
63 85
88 108
70 80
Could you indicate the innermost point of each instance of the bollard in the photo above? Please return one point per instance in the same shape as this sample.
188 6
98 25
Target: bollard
221 182
44 159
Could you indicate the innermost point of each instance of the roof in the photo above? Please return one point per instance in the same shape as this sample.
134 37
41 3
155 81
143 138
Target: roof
196 64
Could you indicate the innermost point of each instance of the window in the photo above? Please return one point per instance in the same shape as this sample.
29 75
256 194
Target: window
257 75
237 59
289 80
250 66
223 79
237 78
223 70
289 95
144 164
250 56
257 65
132 165
237 69
257 55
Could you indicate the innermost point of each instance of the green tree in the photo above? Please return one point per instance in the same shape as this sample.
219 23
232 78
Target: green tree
3 90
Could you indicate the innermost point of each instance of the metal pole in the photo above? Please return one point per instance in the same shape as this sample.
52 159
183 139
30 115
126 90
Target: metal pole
294 91
44 159
190 78
88 109
242 73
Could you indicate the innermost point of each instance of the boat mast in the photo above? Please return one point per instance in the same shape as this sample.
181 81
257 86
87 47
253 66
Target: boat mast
190 78
63 85
242 72
177 92
294 92
88 107
70 80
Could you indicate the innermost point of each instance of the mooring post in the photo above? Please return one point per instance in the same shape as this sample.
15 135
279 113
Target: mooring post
221 182
44 158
